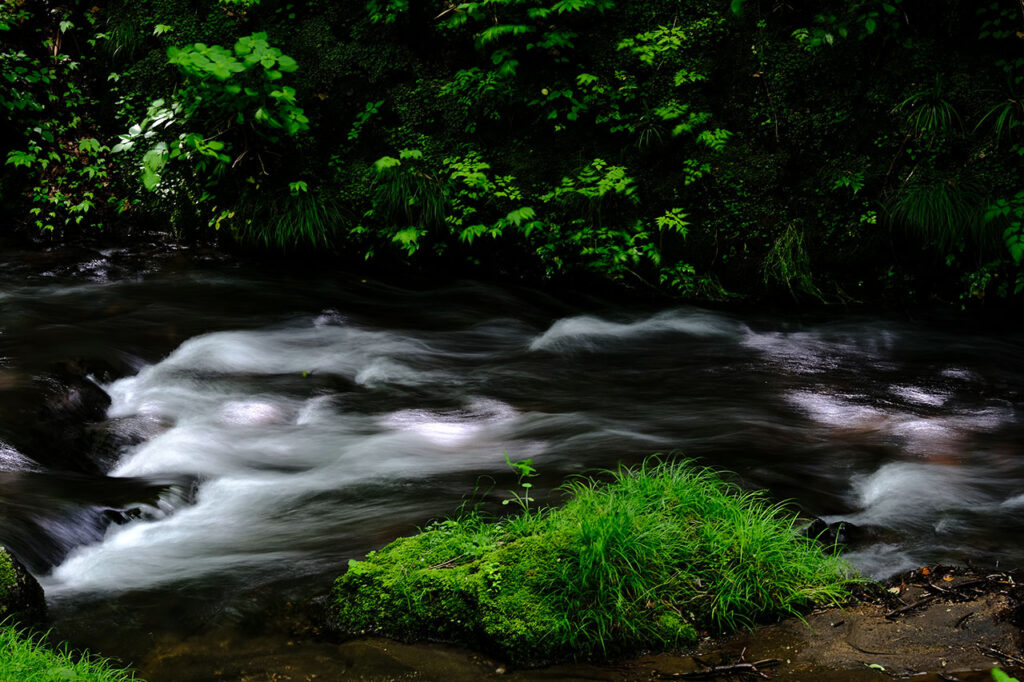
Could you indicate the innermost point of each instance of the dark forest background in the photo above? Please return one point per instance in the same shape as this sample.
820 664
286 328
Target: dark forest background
832 151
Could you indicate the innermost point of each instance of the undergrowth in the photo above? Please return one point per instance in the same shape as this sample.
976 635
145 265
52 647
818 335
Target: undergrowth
646 560
288 221
23 659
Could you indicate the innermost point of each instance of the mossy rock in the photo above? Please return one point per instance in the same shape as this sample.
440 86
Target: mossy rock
643 562
21 596
415 589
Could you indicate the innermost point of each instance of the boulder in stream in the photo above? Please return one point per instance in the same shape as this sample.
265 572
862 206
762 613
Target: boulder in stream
21 596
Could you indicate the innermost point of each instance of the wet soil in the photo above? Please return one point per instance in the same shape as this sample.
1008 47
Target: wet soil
933 624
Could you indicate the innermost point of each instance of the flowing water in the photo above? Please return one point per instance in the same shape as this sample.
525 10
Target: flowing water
264 427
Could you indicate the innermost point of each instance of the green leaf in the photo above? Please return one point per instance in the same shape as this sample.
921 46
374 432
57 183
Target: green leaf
386 162
18 158
90 144
564 6
152 163
156 157
408 239
150 180
287 64
1013 236
493 33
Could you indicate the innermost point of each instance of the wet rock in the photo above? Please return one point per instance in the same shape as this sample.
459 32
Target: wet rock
838 533
21 597
75 394
57 419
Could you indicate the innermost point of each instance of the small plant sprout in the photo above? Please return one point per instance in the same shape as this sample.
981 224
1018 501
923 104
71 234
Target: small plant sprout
524 470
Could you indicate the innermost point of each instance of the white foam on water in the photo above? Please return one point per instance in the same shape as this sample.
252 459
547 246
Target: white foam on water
317 410
817 352
326 349
329 317
586 332
12 460
250 513
453 428
838 411
920 396
216 534
383 371
254 412
908 495
919 434
958 373
881 561
262 458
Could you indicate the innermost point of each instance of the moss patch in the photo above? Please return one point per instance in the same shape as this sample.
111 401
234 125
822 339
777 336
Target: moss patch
21 597
644 561
8 580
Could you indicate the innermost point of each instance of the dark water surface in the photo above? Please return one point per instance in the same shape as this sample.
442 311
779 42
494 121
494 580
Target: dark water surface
265 428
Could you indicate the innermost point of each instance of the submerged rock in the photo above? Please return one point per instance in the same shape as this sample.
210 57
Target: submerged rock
21 596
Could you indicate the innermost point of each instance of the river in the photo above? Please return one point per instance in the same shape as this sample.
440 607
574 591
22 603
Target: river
266 425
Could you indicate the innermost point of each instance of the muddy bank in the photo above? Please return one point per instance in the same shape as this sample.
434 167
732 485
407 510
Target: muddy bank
941 624
937 623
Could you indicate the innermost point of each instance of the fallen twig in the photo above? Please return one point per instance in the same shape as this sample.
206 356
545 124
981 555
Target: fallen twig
968 584
1000 654
962 620
733 669
910 607
450 563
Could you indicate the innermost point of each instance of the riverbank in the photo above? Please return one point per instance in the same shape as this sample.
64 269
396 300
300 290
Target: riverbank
959 635
128 255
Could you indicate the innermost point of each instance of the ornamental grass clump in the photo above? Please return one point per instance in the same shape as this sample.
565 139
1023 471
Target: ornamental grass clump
643 561
27 659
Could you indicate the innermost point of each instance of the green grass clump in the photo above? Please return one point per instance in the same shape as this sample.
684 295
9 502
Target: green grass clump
23 659
643 561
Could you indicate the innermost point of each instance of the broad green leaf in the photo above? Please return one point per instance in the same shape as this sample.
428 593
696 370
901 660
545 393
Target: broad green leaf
386 162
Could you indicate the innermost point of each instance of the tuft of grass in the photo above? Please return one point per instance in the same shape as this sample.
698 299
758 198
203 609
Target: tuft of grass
787 262
27 659
282 220
945 213
1007 118
411 195
643 561
929 116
